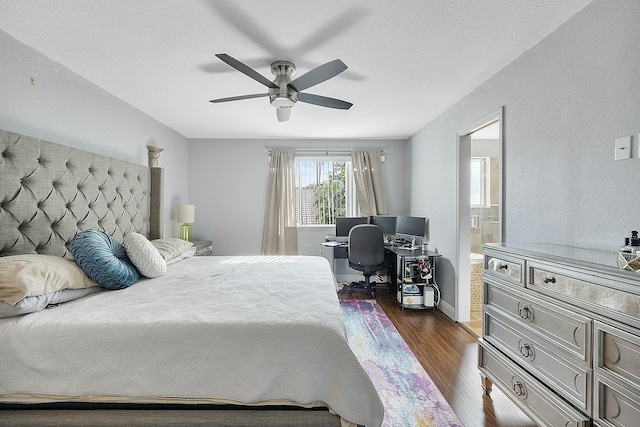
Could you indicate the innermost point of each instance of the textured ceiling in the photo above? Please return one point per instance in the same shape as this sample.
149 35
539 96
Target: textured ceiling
408 60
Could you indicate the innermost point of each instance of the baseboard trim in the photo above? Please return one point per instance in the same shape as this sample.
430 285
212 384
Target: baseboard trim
346 279
447 309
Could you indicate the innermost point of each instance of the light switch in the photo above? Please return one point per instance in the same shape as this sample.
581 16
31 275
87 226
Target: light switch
623 148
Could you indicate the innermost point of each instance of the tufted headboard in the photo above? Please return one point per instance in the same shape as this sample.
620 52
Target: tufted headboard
49 192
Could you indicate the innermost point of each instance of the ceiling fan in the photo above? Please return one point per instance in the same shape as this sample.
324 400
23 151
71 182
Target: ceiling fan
283 92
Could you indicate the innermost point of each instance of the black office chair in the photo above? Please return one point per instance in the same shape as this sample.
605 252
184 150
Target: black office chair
366 254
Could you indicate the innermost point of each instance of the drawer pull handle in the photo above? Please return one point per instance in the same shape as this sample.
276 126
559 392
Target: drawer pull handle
524 312
503 266
525 350
518 389
549 280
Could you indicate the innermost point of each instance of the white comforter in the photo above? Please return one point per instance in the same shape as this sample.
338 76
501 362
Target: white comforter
243 329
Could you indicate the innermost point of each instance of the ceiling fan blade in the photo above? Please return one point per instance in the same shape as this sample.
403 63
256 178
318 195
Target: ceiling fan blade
324 101
318 75
245 69
238 98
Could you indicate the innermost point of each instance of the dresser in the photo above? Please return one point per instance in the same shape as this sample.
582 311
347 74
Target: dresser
561 334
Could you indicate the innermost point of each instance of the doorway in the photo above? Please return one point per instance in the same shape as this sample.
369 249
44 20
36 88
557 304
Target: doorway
480 166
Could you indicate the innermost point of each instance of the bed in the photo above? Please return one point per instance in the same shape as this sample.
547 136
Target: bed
212 340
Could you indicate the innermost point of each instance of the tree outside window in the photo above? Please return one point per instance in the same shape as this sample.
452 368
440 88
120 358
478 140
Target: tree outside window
323 191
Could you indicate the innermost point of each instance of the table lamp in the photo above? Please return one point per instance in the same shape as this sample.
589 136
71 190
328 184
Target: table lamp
187 216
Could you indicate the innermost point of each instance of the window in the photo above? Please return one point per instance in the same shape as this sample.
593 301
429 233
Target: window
325 190
480 182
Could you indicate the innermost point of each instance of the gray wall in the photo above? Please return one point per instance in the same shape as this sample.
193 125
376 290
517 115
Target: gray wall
228 185
565 101
64 108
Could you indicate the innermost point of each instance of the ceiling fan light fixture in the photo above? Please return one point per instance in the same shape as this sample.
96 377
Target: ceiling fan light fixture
283 113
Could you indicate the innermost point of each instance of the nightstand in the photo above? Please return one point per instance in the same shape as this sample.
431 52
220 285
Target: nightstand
203 247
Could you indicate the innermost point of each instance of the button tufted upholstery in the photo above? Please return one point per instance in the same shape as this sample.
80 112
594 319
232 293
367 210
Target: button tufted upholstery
49 192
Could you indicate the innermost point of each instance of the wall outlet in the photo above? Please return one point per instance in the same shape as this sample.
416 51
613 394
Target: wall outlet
623 148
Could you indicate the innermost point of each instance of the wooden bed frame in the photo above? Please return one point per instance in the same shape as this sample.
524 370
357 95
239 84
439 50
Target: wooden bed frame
49 192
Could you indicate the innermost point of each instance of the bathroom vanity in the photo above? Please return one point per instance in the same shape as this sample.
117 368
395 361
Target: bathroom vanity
561 334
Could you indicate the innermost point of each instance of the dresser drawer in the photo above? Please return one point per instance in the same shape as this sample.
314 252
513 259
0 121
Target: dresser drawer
567 375
506 267
617 353
537 401
594 296
565 328
616 406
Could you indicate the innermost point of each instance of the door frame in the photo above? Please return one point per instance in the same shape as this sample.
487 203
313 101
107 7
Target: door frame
463 208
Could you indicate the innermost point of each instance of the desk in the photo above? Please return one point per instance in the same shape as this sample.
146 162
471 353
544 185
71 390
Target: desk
339 250
397 258
398 252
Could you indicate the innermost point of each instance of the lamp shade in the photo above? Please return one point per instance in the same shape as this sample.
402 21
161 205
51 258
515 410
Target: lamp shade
283 113
187 214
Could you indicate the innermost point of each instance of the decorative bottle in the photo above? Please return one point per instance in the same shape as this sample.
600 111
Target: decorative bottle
631 244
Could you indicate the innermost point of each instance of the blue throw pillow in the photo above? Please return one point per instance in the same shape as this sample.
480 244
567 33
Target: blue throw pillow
103 259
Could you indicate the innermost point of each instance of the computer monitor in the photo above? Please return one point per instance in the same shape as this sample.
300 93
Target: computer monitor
344 224
411 226
386 223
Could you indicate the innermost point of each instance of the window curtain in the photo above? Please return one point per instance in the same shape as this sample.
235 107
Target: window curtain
280 235
367 173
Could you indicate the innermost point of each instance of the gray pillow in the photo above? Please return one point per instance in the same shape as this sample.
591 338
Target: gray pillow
39 302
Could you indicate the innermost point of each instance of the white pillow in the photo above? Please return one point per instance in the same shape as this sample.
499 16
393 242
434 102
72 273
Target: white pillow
173 249
144 255
32 274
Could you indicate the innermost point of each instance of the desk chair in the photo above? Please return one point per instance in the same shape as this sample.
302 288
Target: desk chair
366 254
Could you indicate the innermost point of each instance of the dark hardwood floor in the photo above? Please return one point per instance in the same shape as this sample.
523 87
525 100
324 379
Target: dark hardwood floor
448 352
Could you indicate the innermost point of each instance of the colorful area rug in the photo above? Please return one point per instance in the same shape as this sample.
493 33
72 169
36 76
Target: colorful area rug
409 396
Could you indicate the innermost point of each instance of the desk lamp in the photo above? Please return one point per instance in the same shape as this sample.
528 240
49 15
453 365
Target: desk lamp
187 216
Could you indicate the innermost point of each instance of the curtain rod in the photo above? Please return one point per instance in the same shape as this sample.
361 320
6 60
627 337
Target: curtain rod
320 151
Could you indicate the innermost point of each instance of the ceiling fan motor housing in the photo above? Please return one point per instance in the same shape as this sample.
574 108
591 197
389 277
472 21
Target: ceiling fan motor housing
283 96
